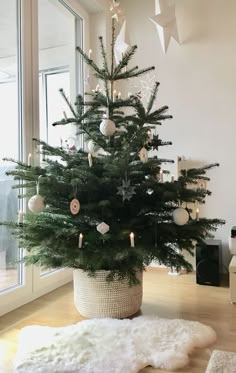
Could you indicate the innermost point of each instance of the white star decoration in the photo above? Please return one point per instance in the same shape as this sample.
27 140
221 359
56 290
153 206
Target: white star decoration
165 21
120 44
143 87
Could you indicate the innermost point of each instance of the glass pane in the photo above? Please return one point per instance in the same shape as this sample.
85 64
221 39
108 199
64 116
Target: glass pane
56 65
10 272
57 70
56 106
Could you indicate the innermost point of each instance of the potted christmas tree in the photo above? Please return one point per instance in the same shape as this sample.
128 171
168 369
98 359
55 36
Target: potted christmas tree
105 210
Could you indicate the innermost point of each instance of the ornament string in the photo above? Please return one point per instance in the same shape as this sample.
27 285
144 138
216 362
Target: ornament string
38 184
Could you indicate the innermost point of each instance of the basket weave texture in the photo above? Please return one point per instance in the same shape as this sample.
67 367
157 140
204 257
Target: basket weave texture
95 297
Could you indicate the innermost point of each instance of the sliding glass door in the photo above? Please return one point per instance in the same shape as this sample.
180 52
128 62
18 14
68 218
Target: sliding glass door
37 58
11 273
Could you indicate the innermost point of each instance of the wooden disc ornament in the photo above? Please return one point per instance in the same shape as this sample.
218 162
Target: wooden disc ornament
143 155
107 127
180 216
74 206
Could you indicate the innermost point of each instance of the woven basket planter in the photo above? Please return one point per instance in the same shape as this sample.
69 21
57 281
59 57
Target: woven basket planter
95 297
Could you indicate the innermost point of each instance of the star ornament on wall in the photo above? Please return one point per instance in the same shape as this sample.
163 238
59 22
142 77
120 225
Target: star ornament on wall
165 22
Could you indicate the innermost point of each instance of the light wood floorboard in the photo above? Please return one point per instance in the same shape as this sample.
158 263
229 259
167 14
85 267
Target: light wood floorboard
165 296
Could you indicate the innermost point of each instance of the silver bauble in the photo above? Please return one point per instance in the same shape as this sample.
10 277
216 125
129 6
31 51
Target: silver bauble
36 204
107 127
180 216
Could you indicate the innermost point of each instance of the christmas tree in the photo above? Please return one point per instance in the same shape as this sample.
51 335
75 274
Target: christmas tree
107 206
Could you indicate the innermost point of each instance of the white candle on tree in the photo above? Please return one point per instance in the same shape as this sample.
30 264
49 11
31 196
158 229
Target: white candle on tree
197 214
131 239
90 53
20 217
29 159
161 176
172 178
80 240
90 159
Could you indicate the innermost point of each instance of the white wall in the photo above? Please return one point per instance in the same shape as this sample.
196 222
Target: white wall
198 83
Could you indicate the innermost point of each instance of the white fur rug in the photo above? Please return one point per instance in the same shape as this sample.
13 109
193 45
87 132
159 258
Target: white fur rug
110 345
222 362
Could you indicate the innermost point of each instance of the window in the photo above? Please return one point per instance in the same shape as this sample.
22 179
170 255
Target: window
52 105
10 139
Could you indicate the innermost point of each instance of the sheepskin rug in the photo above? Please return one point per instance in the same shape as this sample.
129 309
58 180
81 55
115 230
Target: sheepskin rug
110 345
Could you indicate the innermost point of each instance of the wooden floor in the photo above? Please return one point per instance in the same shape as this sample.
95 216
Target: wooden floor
165 296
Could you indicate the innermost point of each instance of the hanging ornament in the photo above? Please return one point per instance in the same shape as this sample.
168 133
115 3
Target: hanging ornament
36 204
92 147
116 12
143 155
74 206
107 127
165 22
180 216
103 228
120 46
143 87
126 191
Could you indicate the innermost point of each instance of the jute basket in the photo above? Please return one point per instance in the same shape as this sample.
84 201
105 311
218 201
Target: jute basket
95 297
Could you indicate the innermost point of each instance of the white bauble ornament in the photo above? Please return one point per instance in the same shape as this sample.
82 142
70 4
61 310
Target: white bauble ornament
36 204
103 228
92 147
107 127
180 216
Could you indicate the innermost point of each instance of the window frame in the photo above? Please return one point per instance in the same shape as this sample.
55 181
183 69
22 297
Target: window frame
28 103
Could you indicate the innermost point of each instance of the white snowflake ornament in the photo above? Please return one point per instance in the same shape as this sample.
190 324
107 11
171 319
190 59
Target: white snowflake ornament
107 127
103 228
126 190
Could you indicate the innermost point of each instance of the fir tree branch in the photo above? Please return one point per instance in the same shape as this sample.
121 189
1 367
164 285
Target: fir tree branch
68 102
99 72
104 59
152 97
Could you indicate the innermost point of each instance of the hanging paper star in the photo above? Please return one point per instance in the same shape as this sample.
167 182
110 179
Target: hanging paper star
126 190
116 12
120 44
165 21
